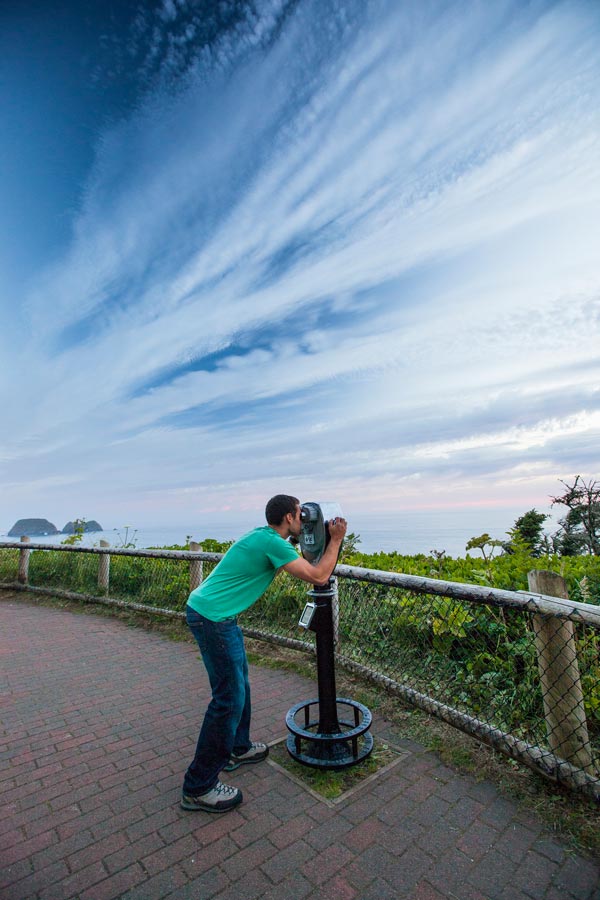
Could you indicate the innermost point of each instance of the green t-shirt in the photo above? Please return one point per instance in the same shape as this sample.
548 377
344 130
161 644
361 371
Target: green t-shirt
243 575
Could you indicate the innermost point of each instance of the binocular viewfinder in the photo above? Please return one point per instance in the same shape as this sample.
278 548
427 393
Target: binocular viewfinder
314 536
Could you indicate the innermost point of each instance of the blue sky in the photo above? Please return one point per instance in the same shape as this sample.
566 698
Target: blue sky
341 249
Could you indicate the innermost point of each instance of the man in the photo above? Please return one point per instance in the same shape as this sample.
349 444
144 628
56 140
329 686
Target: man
242 576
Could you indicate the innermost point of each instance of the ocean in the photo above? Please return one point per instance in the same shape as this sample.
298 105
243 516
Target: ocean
407 532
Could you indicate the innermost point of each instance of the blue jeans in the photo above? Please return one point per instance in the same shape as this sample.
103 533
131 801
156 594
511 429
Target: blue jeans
226 725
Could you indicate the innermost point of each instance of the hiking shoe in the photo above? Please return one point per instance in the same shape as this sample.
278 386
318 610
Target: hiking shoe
256 753
219 799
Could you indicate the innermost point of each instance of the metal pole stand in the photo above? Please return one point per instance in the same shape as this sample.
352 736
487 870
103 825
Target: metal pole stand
330 743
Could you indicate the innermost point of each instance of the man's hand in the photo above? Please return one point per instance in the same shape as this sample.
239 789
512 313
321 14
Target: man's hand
337 529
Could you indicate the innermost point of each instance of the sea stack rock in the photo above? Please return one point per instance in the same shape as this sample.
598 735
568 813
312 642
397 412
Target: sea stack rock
32 528
90 526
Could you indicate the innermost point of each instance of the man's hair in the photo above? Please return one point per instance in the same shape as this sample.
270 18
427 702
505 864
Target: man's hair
279 506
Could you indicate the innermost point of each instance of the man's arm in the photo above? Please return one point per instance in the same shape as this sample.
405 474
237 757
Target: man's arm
320 572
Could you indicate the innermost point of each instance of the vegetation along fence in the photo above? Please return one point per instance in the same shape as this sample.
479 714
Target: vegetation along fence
519 670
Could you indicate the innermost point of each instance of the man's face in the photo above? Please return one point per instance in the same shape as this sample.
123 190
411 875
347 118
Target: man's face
295 523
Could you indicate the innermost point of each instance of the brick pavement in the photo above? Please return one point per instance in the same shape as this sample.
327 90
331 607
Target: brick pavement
100 721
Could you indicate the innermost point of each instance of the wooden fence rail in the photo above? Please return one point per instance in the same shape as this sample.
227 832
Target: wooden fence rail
570 757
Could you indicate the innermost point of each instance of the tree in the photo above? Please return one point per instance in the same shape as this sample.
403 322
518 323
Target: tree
580 529
349 546
529 527
488 546
481 543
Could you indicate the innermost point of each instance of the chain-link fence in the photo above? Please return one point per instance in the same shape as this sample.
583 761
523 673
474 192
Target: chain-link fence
520 671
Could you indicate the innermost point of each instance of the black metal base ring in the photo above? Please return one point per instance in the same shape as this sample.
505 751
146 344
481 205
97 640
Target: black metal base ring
338 750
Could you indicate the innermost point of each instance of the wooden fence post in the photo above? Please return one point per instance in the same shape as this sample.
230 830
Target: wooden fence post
195 567
23 576
104 568
564 709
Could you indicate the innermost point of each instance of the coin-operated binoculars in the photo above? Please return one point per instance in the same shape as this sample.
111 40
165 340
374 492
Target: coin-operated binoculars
329 742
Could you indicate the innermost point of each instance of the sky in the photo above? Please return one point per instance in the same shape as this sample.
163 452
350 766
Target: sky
343 249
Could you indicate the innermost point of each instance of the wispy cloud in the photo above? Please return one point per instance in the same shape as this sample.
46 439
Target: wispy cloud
357 246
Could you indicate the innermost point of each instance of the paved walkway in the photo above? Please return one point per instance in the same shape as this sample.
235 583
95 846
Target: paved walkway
100 721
